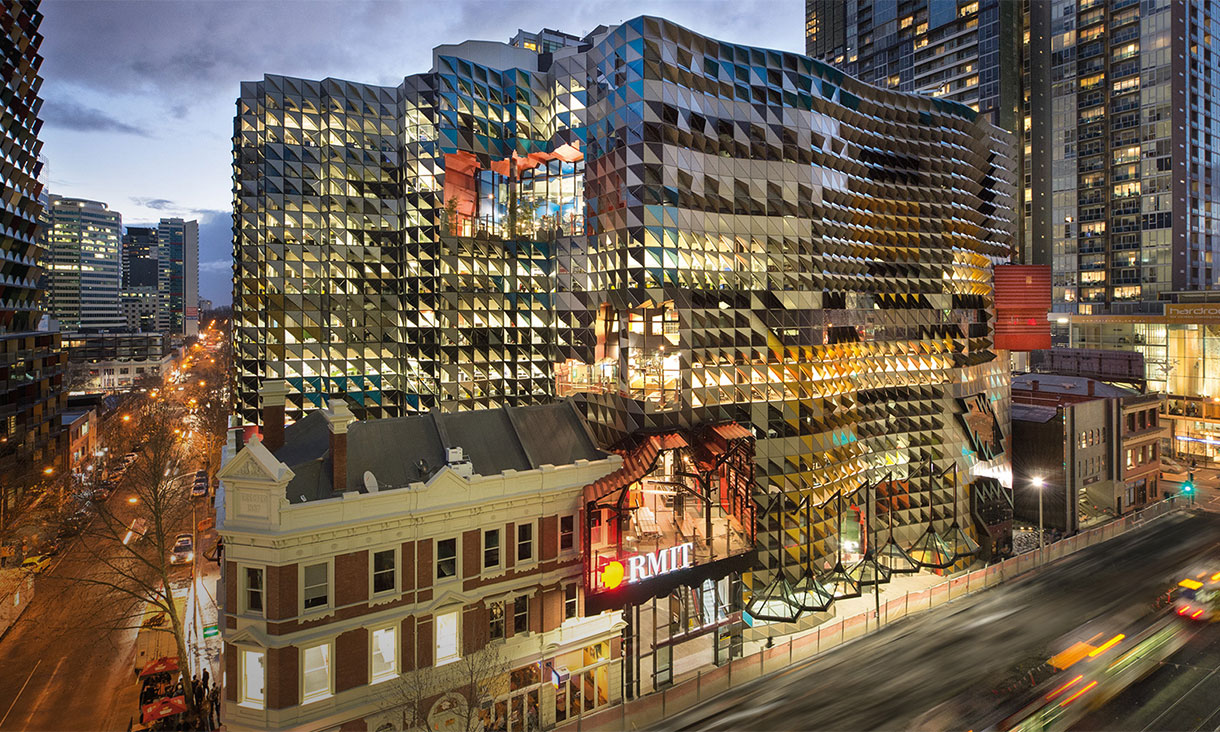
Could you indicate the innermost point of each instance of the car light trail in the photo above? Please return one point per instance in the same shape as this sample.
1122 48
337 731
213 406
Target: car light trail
1107 645
1078 694
1063 688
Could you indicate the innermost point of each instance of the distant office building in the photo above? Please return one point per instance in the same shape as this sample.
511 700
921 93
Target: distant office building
205 306
141 307
968 51
116 361
83 265
1125 114
31 363
178 275
674 230
139 257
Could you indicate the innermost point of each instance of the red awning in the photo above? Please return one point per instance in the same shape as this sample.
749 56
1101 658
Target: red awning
163 708
732 431
164 665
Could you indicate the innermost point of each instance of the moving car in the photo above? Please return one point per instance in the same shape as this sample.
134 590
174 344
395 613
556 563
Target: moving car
200 489
184 549
36 563
1199 597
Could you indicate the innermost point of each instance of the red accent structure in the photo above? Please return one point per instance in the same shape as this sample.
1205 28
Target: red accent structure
1022 302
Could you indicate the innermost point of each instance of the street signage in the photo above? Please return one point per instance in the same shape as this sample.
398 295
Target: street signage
211 631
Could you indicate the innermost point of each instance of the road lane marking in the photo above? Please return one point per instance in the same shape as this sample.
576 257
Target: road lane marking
1179 699
27 683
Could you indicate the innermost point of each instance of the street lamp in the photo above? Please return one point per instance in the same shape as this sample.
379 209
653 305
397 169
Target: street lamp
48 471
1037 481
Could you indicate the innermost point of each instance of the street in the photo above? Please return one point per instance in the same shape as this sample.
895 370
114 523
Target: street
68 662
891 679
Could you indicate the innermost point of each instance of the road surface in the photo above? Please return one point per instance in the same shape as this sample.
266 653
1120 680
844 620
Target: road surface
891 679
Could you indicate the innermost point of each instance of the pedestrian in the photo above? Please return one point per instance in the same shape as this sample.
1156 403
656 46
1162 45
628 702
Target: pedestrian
216 702
206 685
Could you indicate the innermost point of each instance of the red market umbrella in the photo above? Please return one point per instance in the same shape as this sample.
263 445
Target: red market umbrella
163 708
163 665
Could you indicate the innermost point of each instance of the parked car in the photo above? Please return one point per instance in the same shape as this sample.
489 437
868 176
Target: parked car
36 563
183 551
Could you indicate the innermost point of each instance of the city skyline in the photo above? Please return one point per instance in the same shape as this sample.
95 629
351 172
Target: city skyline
115 113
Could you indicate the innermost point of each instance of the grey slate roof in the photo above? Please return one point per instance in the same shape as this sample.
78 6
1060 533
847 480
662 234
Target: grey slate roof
1078 385
404 450
1033 413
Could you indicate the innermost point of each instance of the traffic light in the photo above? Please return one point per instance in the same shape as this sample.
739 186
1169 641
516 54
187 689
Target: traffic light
1189 486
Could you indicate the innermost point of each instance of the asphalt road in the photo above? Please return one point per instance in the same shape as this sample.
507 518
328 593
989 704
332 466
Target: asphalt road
59 670
891 680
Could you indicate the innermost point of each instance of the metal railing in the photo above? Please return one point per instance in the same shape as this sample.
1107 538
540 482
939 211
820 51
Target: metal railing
700 686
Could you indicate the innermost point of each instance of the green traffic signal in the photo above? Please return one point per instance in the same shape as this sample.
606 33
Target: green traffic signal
1189 485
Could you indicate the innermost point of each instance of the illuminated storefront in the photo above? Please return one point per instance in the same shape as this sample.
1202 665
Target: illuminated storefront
1181 349
666 537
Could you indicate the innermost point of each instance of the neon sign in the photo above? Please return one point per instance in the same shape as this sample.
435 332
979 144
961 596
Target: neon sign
641 567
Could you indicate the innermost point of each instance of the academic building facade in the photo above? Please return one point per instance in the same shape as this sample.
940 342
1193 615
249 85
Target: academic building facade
715 250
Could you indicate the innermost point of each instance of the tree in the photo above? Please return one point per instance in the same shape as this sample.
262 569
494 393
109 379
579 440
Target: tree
464 690
125 551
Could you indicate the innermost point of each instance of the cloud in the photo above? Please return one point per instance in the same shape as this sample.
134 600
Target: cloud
75 116
219 265
156 204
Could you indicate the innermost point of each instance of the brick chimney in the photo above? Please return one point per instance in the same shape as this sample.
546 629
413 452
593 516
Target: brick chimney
273 394
338 417
1033 385
1092 386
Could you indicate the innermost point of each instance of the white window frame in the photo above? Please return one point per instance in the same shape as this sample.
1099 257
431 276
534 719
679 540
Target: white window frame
394 665
533 557
397 549
242 699
330 585
576 589
575 534
499 547
457 559
330 671
243 588
438 660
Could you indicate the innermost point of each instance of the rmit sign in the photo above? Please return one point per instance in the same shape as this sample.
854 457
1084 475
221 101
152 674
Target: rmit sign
640 567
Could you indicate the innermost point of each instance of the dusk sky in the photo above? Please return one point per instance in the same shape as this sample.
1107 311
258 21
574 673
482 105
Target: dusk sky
140 95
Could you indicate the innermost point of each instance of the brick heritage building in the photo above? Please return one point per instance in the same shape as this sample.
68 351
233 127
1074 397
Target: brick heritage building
362 558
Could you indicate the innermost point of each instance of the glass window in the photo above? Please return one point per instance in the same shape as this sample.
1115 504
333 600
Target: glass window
491 548
316 586
521 614
569 602
446 558
567 532
316 673
446 638
252 679
525 542
254 589
383 571
385 653
495 618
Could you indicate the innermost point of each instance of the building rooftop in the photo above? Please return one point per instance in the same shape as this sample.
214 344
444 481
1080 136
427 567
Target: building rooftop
1074 385
1033 413
404 450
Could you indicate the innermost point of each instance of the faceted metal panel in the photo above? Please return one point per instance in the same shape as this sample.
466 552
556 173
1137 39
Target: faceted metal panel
739 234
